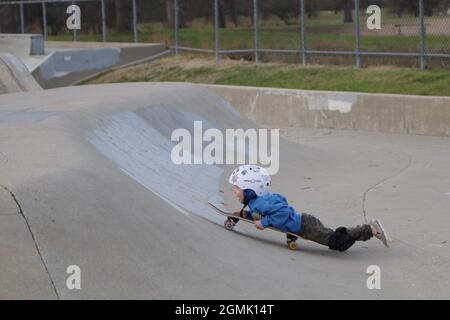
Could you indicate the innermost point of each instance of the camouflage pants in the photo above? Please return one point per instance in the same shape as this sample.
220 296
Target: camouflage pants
313 229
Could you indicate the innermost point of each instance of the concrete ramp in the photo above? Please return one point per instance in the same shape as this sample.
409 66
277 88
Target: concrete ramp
22 45
14 75
60 64
69 63
90 169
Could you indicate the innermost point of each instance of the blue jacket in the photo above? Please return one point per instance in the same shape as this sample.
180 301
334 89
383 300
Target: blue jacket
275 212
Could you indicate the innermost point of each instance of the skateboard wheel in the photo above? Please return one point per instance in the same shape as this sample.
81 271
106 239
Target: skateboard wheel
292 245
229 225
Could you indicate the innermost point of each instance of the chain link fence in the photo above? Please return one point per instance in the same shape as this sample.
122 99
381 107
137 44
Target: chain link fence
413 33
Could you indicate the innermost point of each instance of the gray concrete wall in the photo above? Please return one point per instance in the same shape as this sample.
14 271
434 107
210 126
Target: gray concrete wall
338 110
22 44
62 63
67 65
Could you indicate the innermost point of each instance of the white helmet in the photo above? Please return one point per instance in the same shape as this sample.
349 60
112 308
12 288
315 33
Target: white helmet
251 177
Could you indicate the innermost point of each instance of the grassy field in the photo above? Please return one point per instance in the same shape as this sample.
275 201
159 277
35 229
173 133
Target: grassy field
280 38
327 32
199 69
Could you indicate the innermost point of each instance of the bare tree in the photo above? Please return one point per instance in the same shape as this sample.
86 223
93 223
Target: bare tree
170 13
312 8
348 7
232 8
402 6
123 15
9 18
222 21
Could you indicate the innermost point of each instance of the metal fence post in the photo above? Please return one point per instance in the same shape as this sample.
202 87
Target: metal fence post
75 32
256 29
358 35
103 21
177 39
22 21
44 20
216 29
135 30
423 64
303 30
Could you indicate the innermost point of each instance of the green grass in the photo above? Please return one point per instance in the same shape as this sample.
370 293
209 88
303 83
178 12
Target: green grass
327 32
202 70
398 81
240 38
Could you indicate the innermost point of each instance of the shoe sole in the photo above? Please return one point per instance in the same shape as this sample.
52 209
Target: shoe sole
384 236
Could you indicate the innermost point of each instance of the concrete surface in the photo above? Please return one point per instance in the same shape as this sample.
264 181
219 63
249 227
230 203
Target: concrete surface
388 113
14 75
68 45
59 64
22 45
91 171
66 63
23 273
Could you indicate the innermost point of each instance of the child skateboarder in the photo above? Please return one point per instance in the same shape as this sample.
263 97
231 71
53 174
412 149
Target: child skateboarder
251 185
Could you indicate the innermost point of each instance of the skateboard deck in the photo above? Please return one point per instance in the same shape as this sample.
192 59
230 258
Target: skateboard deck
233 219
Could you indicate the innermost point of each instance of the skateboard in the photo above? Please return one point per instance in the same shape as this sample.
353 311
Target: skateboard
233 219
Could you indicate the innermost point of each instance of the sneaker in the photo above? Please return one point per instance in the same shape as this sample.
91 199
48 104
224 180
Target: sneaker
381 232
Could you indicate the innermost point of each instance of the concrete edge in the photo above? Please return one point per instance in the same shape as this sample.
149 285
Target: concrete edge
131 64
321 91
387 113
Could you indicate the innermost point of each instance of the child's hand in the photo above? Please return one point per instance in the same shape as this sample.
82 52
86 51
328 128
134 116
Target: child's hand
259 225
237 213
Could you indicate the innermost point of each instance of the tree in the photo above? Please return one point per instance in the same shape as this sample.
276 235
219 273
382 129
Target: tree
312 8
222 22
348 7
402 6
285 9
227 6
170 13
232 8
123 15
9 21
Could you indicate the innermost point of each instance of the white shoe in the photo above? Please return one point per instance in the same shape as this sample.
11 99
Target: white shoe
381 232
